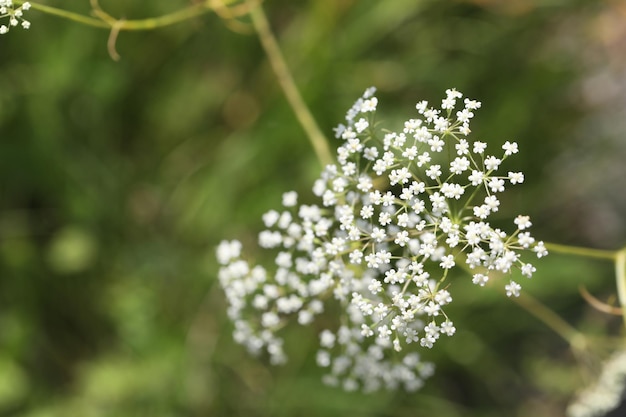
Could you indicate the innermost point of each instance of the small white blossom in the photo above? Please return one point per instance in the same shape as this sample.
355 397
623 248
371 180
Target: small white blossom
433 172
509 148
327 339
448 328
522 222
290 199
369 105
361 125
528 270
492 163
512 289
516 177
480 279
459 165
227 251
479 147
540 249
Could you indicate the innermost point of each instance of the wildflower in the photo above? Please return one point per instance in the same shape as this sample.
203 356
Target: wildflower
394 219
14 14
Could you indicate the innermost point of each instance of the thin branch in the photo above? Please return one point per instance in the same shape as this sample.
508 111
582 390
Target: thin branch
103 20
581 251
76 17
115 30
599 305
620 278
229 15
277 61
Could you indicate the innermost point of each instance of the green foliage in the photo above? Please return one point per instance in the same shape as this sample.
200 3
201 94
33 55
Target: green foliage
117 180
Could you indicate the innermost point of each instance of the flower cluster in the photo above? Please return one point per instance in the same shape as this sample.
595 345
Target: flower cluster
606 394
15 15
397 213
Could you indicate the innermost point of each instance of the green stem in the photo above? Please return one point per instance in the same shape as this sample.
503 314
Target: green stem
618 258
161 21
620 278
573 337
137 24
76 17
268 41
281 70
580 251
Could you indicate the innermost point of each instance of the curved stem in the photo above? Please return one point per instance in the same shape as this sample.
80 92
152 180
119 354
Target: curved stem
581 251
267 39
277 61
618 258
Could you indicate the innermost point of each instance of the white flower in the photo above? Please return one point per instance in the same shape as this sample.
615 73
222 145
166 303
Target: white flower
496 185
540 249
434 171
378 234
522 222
476 178
516 177
269 319
447 262
464 116
327 339
492 163
479 147
228 250
392 216
459 165
509 148
361 125
290 199
448 328
14 14
525 239
480 279
369 105
528 270
512 289
472 104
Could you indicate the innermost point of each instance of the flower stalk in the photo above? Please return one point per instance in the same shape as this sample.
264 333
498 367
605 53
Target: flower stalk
620 277
619 261
288 85
581 251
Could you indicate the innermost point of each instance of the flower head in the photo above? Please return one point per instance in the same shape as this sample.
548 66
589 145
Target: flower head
14 14
396 214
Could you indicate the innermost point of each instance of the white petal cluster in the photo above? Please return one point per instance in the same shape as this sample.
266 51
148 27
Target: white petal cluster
14 14
606 394
397 212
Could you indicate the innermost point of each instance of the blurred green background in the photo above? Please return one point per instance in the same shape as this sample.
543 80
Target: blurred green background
118 179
